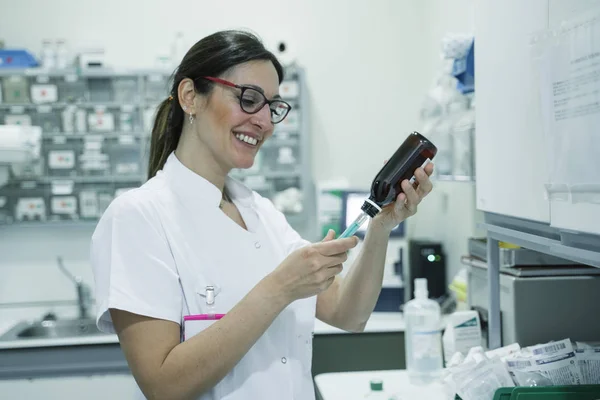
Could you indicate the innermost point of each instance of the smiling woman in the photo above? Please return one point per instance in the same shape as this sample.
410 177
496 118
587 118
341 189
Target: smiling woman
193 246
194 250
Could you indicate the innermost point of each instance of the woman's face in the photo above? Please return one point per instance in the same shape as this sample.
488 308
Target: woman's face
222 125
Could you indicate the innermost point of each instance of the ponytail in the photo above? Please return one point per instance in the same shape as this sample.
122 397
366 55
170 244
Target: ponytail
165 134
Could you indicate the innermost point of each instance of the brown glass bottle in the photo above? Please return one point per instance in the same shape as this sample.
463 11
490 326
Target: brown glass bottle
415 152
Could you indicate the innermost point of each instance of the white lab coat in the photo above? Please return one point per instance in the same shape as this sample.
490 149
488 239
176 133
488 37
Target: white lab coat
157 248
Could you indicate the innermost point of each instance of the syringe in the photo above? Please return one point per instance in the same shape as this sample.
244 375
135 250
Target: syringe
355 225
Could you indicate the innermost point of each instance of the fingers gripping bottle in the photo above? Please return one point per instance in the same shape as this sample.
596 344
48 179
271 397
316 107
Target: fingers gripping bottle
415 152
423 338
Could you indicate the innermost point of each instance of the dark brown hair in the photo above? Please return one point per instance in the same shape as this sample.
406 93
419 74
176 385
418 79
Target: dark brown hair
212 56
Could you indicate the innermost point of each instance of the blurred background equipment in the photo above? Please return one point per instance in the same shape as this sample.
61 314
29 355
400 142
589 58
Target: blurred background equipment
448 111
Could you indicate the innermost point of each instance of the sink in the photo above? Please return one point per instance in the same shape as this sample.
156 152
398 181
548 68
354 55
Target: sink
59 329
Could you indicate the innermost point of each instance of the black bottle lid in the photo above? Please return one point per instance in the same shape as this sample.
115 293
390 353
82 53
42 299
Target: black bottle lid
370 207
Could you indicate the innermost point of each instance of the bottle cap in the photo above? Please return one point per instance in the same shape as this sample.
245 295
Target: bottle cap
370 208
421 288
376 385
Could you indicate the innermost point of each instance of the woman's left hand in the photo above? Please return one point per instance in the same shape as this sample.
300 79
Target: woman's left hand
406 203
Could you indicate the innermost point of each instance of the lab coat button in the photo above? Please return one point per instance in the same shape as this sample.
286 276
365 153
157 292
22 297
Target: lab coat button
283 360
257 245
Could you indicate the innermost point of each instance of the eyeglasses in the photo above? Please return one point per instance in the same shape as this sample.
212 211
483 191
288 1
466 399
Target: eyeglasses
252 100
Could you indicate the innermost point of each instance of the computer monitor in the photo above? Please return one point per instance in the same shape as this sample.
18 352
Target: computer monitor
352 201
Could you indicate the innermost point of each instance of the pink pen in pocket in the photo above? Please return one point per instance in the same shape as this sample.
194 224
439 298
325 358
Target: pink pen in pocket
194 324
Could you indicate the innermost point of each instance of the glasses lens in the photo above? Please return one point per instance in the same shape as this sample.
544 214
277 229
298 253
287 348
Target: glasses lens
252 100
279 111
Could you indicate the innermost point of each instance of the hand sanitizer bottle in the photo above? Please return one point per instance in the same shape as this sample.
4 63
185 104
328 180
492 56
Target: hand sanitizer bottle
423 341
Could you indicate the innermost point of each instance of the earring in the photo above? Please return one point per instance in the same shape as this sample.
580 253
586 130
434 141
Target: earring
191 119
184 108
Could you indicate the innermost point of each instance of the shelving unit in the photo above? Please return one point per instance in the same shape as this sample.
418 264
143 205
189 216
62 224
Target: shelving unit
96 127
95 135
87 179
575 246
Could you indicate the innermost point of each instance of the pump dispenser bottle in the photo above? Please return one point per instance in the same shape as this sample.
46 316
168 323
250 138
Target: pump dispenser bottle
415 152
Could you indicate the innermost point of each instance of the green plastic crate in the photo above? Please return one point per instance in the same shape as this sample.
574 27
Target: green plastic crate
583 392
503 394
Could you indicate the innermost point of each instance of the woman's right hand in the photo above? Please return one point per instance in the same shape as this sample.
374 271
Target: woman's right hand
310 270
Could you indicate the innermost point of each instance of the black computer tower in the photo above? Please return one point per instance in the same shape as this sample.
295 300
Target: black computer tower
426 259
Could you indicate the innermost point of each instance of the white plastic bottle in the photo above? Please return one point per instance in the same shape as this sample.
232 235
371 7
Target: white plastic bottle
423 341
62 54
48 55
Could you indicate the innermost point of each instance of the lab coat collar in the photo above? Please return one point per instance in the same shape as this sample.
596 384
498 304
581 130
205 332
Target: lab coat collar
200 189
239 192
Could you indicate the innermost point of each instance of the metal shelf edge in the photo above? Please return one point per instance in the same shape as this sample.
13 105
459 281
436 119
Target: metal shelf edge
99 72
93 135
80 223
84 179
544 245
87 104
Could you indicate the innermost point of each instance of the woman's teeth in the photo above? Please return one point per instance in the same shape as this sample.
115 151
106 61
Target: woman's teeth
247 139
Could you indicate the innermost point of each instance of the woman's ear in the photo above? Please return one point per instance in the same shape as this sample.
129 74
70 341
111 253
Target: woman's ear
187 96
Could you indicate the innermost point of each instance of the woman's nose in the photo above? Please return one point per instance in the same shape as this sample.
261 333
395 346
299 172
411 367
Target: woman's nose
263 117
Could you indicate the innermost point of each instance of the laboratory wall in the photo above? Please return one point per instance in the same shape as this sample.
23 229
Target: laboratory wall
368 66
364 60
449 214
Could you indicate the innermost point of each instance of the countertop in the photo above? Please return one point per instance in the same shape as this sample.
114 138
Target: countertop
72 341
356 385
378 323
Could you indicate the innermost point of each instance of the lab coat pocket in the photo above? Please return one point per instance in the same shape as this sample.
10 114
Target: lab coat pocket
202 295
202 305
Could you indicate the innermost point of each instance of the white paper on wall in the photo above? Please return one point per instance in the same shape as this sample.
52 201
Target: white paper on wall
568 66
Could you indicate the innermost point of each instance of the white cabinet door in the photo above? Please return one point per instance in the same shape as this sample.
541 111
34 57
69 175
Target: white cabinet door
101 387
510 159
575 215
579 217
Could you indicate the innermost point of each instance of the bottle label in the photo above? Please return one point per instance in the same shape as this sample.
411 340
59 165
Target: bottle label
427 344
412 180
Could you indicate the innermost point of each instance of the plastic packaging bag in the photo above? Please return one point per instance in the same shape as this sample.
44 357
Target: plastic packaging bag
478 377
482 380
588 359
503 353
550 364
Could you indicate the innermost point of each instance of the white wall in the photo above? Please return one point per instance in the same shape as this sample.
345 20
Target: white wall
448 215
368 66
363 59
